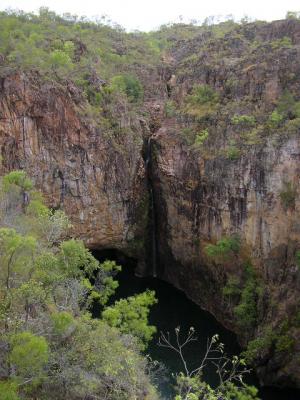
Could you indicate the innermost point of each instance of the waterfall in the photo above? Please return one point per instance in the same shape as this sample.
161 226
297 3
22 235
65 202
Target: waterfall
152 217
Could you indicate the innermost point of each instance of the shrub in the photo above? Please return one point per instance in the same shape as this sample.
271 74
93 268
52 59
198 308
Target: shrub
224 248
275 119
201 137
232 287
288 196
297 109
243 120
252 137
188 135
258 346
62 321
298 259
284 343
17 178
287 106
29 354
283 42
60 60
8 391
170 108
233 153
129 85
246 311
203 94
292 126
69 48
296 318
130 316
202 101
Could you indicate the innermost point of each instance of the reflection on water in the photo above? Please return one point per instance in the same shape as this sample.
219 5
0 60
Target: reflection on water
175 309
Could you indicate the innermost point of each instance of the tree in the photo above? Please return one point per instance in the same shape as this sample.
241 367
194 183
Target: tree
230 371
8 391
28 356
202 101
224 249
128 85
16 254
130 316
60 61
50 346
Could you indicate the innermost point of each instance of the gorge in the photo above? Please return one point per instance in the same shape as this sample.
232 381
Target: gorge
211 153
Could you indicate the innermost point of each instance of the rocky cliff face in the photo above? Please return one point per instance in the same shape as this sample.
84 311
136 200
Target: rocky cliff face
244 180
203 193
98 180
203 201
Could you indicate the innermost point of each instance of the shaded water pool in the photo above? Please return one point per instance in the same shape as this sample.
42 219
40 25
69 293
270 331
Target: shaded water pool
175 309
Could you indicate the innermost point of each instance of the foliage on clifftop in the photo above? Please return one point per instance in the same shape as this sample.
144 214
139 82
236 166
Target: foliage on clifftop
119 72
68 46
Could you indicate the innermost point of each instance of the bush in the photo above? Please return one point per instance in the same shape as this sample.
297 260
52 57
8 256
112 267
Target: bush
170 108
243 120
283 42
17 178
130 316
232 287
277 338
288 196
247 293
60 61
201 137
275 119
287 106
29 354
62 321
284 343
224 248
128 85
203 94
258 346
246 311
253 136
188 135
8 391
292 127
233 153
202 101
298 258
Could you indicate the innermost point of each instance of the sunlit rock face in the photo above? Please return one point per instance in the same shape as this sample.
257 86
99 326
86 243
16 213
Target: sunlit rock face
199 194
97 181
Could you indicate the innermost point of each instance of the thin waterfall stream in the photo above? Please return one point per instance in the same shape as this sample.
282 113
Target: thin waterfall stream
152 216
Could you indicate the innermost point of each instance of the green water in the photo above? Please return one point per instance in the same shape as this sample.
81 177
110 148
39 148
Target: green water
175 309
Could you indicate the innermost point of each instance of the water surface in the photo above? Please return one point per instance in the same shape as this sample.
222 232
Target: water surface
175 309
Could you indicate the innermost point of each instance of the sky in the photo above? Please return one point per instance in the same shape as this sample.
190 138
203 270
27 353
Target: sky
149 15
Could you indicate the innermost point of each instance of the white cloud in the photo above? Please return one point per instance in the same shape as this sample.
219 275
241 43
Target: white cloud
146 15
